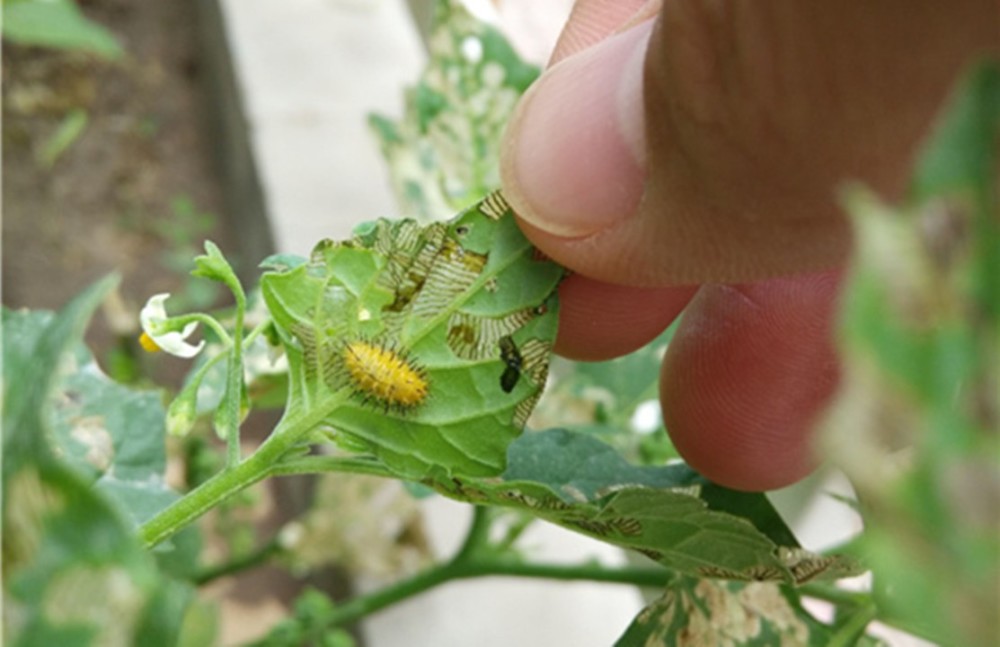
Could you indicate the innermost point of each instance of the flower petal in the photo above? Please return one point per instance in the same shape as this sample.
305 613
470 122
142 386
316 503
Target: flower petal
155 326
175 344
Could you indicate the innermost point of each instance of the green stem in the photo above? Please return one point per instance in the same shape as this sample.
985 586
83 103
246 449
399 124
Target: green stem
206 367
203 498
635 576
232 401
366 605
233 398
863 607
477 559
476 537
225 484
854 627
256 332
836 596
207 320
321 464
241 563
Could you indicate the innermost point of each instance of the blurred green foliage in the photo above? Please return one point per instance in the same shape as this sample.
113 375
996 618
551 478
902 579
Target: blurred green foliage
917 424
58 24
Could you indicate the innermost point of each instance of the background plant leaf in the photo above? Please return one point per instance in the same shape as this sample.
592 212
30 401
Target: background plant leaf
56 23
112 434
73 572
921 354
615 400
70 129
444 153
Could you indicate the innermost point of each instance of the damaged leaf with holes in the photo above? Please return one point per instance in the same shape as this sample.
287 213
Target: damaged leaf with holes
717 613
444 153
667 513
92 422
74 573
436 304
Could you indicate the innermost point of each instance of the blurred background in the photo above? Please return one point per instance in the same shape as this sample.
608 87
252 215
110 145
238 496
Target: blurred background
135 131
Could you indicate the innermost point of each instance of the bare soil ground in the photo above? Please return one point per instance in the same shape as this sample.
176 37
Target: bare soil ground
134 190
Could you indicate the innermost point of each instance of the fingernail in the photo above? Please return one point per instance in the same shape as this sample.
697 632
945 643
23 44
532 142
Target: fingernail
573 155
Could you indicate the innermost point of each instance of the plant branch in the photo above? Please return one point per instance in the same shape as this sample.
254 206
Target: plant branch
366 605
476 537
241 563
321 464
203 498
233 397
476 558
854 627
206 320
635 576
835 595
290 430
256 332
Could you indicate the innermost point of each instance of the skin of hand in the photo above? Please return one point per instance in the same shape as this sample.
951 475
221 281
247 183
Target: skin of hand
686 155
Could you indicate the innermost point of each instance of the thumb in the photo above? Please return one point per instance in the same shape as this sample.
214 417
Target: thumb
611 179
708 146
573 155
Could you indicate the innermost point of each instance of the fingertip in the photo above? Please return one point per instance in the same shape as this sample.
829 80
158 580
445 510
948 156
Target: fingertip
747 376
600 321
571 158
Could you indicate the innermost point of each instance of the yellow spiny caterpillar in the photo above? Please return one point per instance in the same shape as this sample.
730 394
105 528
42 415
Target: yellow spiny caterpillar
385 375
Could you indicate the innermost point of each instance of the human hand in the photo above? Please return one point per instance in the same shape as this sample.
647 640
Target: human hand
693 162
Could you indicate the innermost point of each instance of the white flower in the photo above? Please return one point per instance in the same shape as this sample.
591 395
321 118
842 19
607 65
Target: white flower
157 333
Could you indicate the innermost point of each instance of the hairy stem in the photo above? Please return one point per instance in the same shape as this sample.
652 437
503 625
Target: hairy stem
233 399
206 496
321 464
225 484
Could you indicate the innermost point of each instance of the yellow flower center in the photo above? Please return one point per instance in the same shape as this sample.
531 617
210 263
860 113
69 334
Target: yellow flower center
148 344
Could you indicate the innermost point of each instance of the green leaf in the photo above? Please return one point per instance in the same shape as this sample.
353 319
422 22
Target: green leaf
612 392
183 411
668 513
282 262
444 153
309 625
31 358
463 310
234 404
69 130
172 600
116 434
112 434
75 569
629 379
73 572
56 23
706 612
214 266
